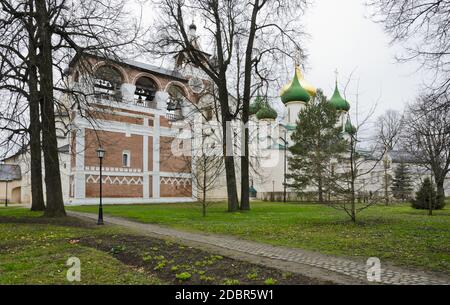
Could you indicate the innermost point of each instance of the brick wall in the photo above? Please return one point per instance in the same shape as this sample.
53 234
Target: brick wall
114 190
117 118
171 163
169 190
114 144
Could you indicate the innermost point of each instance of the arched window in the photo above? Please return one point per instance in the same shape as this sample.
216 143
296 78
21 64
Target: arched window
175 103
107 82
145 92
126 160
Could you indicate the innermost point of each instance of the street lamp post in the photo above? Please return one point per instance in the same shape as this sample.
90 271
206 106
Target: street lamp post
6 200
100 155
285 161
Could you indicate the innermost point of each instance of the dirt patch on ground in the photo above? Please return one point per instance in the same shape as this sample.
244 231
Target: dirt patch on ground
177 264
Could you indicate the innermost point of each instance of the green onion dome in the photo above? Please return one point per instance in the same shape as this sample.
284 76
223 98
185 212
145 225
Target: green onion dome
295 92
266 112
256 105
349 127
338 102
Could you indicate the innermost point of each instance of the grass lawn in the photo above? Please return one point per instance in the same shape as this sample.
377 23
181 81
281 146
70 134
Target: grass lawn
35 252
397 234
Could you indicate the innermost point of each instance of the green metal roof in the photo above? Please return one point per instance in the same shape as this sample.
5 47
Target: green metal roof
338 102
256 105
266 112
349 127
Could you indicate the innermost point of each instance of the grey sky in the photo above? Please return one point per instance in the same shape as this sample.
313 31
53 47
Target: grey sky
343 38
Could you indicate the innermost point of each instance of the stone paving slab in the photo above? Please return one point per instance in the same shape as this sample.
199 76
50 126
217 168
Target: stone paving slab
343 266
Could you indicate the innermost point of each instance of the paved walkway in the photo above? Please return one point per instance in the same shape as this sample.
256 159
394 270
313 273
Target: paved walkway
340 270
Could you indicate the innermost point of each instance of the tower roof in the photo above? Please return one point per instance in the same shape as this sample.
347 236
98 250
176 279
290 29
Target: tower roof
266 112
338 102
256 105
294 91
192 26
312 91
349 127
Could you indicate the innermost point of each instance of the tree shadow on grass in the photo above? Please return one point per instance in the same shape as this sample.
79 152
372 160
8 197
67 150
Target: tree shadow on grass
60 221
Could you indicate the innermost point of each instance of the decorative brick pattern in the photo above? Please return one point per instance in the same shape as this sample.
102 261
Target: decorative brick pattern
114 180
175 187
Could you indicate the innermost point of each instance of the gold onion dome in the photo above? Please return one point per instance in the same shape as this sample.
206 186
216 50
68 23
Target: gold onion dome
303 84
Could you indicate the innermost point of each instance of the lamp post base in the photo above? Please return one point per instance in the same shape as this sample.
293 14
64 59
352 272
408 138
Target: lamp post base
100 216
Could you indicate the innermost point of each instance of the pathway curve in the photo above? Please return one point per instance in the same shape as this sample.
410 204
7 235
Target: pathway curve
325 267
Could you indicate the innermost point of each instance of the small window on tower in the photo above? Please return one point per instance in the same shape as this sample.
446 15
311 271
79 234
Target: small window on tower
126 158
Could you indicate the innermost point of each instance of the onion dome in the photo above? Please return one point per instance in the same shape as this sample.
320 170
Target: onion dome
266 112
308 87
192 26
349 127
294 92
338 102
256 105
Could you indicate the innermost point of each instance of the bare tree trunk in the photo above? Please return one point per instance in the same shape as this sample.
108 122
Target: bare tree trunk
55 203
440 192
37 195
230 172
386 191
320 189
245 186
204 207
204 185
352 182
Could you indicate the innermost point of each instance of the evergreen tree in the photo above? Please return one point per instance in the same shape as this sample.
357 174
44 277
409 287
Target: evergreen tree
426 198
316 140
401 184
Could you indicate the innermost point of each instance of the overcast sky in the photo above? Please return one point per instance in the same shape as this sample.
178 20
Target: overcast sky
343 37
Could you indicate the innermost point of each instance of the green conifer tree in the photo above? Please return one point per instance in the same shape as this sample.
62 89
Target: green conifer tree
401 184
316 140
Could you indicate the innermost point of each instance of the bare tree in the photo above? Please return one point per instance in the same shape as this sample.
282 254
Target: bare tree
427 137
351 169
243 33
422 26
19 81
388 129
206 161
57 32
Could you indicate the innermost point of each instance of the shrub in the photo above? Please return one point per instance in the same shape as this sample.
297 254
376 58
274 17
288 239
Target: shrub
426 193
270 281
